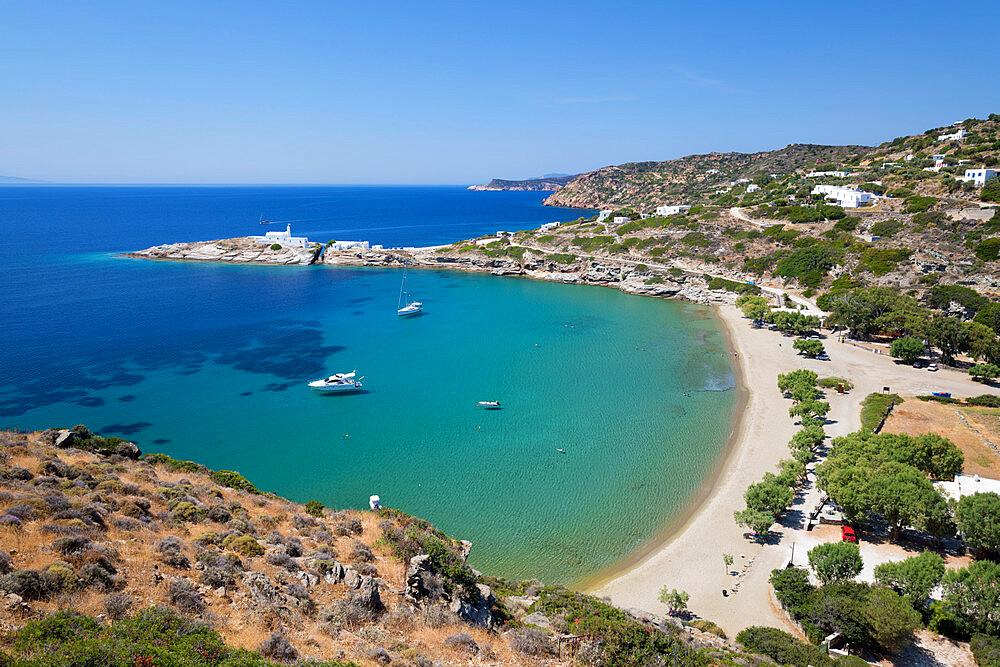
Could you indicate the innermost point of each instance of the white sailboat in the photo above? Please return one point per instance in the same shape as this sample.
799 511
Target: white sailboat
405 307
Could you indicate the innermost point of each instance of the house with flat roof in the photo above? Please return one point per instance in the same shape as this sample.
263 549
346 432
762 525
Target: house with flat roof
619 219
845 197
958 135
546 226
831 174
604 215
966 485
979 176
672 209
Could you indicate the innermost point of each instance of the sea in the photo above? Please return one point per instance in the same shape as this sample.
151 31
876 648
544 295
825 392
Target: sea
616 409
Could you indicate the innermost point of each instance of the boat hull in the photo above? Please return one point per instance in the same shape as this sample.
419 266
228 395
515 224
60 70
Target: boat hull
409 311
335 388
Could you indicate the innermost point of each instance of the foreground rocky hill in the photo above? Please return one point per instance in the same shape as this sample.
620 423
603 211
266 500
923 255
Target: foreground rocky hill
111 557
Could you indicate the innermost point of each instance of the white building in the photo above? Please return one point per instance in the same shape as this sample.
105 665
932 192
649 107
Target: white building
831 174
712 171
740 181
604 215
619 219
966 485
672 210
845 197
954 136
351 245
753 187
282 238
546 226
979 176
504 235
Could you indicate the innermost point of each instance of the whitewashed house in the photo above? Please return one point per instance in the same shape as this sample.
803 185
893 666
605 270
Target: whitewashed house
604 215
713 171
845 197
351 245
967 485
753 187
979 176
831 174
672 210
546 226
504 235
954 136
282 238
619 219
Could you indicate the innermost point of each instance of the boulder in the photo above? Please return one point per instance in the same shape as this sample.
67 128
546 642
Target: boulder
415 590
478 613
261 590
351 578
367 595
128 450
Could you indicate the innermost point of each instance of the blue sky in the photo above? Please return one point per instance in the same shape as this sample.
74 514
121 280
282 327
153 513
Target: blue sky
337 92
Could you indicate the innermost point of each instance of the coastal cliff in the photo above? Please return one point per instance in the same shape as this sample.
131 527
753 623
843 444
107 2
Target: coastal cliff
546 183
237 251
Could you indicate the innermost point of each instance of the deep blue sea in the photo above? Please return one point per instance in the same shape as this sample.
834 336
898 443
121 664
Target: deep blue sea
209 362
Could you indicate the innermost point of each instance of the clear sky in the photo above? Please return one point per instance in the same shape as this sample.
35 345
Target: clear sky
433 92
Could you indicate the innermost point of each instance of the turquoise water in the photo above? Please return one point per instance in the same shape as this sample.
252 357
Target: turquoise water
209 362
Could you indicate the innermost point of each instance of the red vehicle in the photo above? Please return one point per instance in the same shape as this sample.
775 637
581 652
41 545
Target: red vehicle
847 534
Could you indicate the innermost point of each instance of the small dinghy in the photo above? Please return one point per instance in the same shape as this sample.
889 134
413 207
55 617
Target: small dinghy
489 405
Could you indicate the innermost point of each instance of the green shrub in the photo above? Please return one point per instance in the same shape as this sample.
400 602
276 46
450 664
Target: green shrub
986 650
988 250
275 246
875 408
984 372
985 400
881 261
562 258
233 480
886 228
783 648
173 464
245 545
918 204
314 508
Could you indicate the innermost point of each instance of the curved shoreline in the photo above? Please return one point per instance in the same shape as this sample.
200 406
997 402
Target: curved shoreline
690 512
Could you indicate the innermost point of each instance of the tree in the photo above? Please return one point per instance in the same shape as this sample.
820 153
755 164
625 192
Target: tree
835 561
810 348
859 309
675 600
810 408
768 497
890 618
914 577
978 517
754 307
754 521
907 349
984 372
727 561
801 377
973 594
937 456
948 334
989 315
981 341
905 497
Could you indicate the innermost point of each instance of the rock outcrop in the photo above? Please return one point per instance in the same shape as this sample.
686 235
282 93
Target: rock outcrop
238 251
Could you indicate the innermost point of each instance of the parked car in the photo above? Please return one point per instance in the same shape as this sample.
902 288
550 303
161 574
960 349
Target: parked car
932 367
847 535
813 337
823 357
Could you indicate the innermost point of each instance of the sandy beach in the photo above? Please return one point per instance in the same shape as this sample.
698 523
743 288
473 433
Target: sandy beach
690 557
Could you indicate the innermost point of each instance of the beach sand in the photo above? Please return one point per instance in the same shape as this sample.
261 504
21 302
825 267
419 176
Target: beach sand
689 556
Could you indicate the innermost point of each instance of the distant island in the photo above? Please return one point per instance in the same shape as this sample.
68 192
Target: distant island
547 183
16 180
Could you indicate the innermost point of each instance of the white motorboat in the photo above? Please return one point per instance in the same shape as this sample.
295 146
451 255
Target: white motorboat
341 382
489 405
405 307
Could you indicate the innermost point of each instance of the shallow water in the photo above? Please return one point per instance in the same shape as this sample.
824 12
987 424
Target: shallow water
208 362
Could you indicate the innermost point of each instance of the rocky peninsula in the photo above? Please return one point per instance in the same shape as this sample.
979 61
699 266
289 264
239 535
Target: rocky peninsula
512 260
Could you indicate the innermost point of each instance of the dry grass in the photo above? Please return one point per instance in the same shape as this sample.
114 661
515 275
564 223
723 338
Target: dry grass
916 417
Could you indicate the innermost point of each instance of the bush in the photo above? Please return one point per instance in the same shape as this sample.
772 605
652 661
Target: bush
984 372
907 349
462 641
233 480
314 508
275 246
277 647
531 641
183 595
782 647
986 650
918 204
117 606
26 583
985 400
169 550
58 577
245 545
988 250
835 561
875 408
